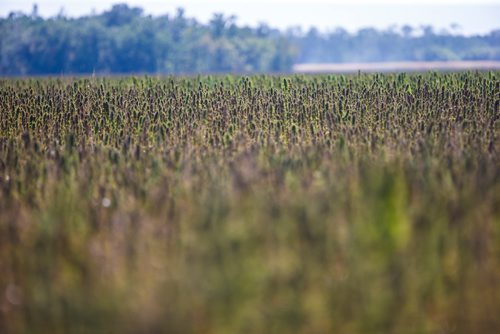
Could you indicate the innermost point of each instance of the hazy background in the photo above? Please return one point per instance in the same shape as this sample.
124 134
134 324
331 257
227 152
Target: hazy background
472 17
278 36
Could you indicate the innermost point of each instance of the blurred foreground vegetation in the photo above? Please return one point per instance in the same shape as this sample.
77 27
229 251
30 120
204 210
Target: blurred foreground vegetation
309 204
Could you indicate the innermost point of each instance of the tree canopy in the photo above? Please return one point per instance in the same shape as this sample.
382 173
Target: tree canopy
126 40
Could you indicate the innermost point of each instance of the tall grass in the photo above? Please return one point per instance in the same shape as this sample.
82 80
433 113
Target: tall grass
309 204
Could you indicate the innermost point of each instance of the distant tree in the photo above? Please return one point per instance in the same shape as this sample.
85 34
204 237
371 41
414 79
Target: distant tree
34 11
218 25
407 31
121 14
124 40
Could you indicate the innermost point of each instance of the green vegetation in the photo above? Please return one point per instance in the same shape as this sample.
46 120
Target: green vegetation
125 40
309 204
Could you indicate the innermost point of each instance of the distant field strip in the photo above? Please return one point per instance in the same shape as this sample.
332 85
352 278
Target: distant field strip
396 66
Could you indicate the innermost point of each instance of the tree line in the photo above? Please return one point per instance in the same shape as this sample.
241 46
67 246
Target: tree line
126 40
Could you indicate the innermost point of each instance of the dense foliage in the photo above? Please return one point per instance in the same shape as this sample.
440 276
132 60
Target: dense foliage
311 204
124 40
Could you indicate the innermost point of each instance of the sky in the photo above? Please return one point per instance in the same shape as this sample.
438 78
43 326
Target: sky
472 16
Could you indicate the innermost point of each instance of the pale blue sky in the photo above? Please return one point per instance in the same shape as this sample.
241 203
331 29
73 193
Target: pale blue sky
478 16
